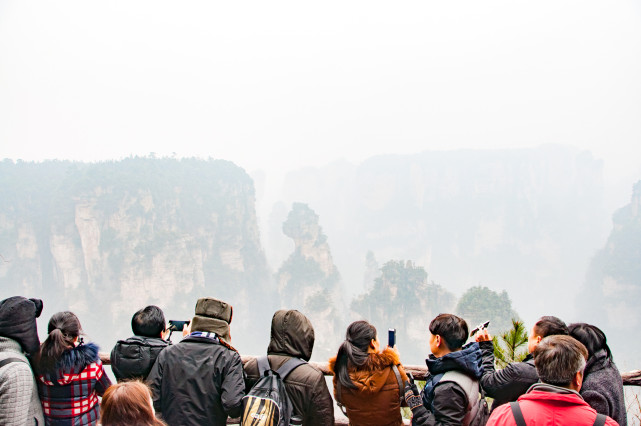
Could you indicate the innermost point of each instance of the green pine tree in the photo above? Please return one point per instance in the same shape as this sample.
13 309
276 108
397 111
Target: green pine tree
508 347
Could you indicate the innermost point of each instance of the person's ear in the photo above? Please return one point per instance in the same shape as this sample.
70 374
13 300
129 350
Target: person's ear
538 339
577 380
372 343
439 341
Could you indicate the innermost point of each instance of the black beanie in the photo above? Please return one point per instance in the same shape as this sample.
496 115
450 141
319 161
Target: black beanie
18 322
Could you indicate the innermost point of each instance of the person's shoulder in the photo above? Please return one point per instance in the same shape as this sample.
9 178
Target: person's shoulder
609 421
500 415
18 368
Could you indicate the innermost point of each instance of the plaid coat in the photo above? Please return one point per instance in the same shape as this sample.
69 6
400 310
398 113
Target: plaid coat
69 394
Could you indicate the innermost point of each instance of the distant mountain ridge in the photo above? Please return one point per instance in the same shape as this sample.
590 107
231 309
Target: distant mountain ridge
106 239
519 219
612 289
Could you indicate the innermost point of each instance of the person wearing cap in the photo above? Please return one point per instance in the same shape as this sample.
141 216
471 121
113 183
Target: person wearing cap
19 401
199 381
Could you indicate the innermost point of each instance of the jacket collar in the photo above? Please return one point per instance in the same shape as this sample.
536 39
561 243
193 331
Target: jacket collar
547 392
146 341
468 360
374 362
77 357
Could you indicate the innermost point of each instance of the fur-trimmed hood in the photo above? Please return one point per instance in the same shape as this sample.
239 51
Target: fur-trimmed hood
373 374
74 359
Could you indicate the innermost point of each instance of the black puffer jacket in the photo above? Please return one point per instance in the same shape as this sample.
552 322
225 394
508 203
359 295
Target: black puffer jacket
292 335
603 388
450 402
198 381
134 357
508 384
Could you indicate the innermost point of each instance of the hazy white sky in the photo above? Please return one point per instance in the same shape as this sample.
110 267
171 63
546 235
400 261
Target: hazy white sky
279 85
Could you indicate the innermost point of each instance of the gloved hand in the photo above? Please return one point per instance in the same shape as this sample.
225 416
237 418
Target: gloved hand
412 397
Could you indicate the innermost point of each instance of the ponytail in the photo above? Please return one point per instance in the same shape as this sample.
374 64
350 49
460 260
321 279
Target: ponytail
63 329
353 351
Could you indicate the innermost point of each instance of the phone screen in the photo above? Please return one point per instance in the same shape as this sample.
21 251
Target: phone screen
391 337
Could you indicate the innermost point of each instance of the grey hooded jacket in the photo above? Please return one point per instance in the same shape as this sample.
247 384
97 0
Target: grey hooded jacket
19 402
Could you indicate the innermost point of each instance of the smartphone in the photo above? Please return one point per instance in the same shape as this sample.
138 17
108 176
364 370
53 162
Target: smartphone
410 376
175 325
391 337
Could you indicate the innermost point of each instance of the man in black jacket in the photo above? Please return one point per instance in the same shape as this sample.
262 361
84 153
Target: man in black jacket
199 381
133 358
292 335
451 394
508 384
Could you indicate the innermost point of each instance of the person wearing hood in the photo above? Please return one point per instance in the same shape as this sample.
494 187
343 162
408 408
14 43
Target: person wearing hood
71 376
199 380
451 395
602 384
292 335
368 383
19 343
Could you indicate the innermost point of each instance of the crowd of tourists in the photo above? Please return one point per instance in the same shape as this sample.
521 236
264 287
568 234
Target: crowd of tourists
568 378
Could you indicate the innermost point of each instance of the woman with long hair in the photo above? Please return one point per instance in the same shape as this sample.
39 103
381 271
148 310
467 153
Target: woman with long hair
70 374
368 383
128 403
602 385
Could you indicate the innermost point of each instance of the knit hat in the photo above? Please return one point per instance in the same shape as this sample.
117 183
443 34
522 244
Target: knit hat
18 322
214 316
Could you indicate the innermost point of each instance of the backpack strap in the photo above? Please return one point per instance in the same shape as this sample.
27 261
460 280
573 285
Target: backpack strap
263 365
401 385
600 420
9 361
517 413
339 398
289 366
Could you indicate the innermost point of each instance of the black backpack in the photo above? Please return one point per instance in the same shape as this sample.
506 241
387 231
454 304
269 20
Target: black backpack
267 403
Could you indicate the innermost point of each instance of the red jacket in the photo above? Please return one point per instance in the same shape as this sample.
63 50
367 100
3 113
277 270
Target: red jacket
545 405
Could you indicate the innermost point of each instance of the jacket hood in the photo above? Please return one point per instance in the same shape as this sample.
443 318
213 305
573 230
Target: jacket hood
468 360
18 322
372 375
597 362
144 341
76 358
292 335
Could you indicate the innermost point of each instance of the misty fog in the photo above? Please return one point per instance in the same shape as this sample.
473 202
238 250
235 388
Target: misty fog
488 144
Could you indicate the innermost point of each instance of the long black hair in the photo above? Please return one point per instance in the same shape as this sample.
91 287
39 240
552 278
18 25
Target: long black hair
63 329
592 338
353 351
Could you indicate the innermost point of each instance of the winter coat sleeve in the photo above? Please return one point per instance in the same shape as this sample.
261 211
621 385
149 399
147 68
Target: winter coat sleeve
16 389
233 387
320 408
103 381
154 380
506 384
450 406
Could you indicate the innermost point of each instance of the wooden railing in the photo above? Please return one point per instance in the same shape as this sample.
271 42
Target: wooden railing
630 378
